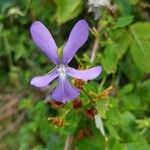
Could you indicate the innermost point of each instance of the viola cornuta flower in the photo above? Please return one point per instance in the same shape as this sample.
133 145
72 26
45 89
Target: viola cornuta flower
43 39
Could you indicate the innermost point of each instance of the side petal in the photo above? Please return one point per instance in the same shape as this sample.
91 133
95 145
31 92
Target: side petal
44 40
42 81
87 74
77 38
64 91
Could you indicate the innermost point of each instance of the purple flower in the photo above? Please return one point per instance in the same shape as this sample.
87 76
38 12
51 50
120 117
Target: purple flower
44 40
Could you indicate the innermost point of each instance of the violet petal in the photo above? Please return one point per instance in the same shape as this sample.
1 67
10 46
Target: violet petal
44 40
42 81
77 38
87 74
64 91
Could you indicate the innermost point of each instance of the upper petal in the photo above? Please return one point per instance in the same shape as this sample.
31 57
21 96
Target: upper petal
77 38
87 74
42 81
44 40
64 91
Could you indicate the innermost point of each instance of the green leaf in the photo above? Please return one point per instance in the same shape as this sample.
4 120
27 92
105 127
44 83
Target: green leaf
123 43
26 103
124 6
132 102
132 70
126 89
123 21
134 2
113 132
119 146
121 38
90 143
143 123
127 121
67 10
5 4
110 58
144 91
140 47
138 146
91 86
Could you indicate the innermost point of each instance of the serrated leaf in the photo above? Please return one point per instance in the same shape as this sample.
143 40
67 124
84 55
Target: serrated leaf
123 44
121 38
110 59
140 47
67 10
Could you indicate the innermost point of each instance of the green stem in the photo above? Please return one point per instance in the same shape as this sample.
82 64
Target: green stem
78 60
67 111
106 142
8 52
102 83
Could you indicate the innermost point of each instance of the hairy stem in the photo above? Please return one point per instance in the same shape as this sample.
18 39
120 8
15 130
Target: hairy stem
95 45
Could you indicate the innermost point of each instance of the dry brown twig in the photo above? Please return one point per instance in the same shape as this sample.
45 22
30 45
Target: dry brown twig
10 106
8 113
13 126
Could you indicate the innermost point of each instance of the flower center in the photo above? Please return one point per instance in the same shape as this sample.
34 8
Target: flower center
62 71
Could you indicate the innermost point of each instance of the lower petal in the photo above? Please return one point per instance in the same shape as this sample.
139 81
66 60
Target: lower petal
64 91
87 74
42 81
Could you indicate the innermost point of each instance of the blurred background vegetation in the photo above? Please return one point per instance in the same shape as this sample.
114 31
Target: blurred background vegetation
120 40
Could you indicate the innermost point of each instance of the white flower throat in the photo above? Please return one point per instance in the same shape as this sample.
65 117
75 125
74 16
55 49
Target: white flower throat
62 71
